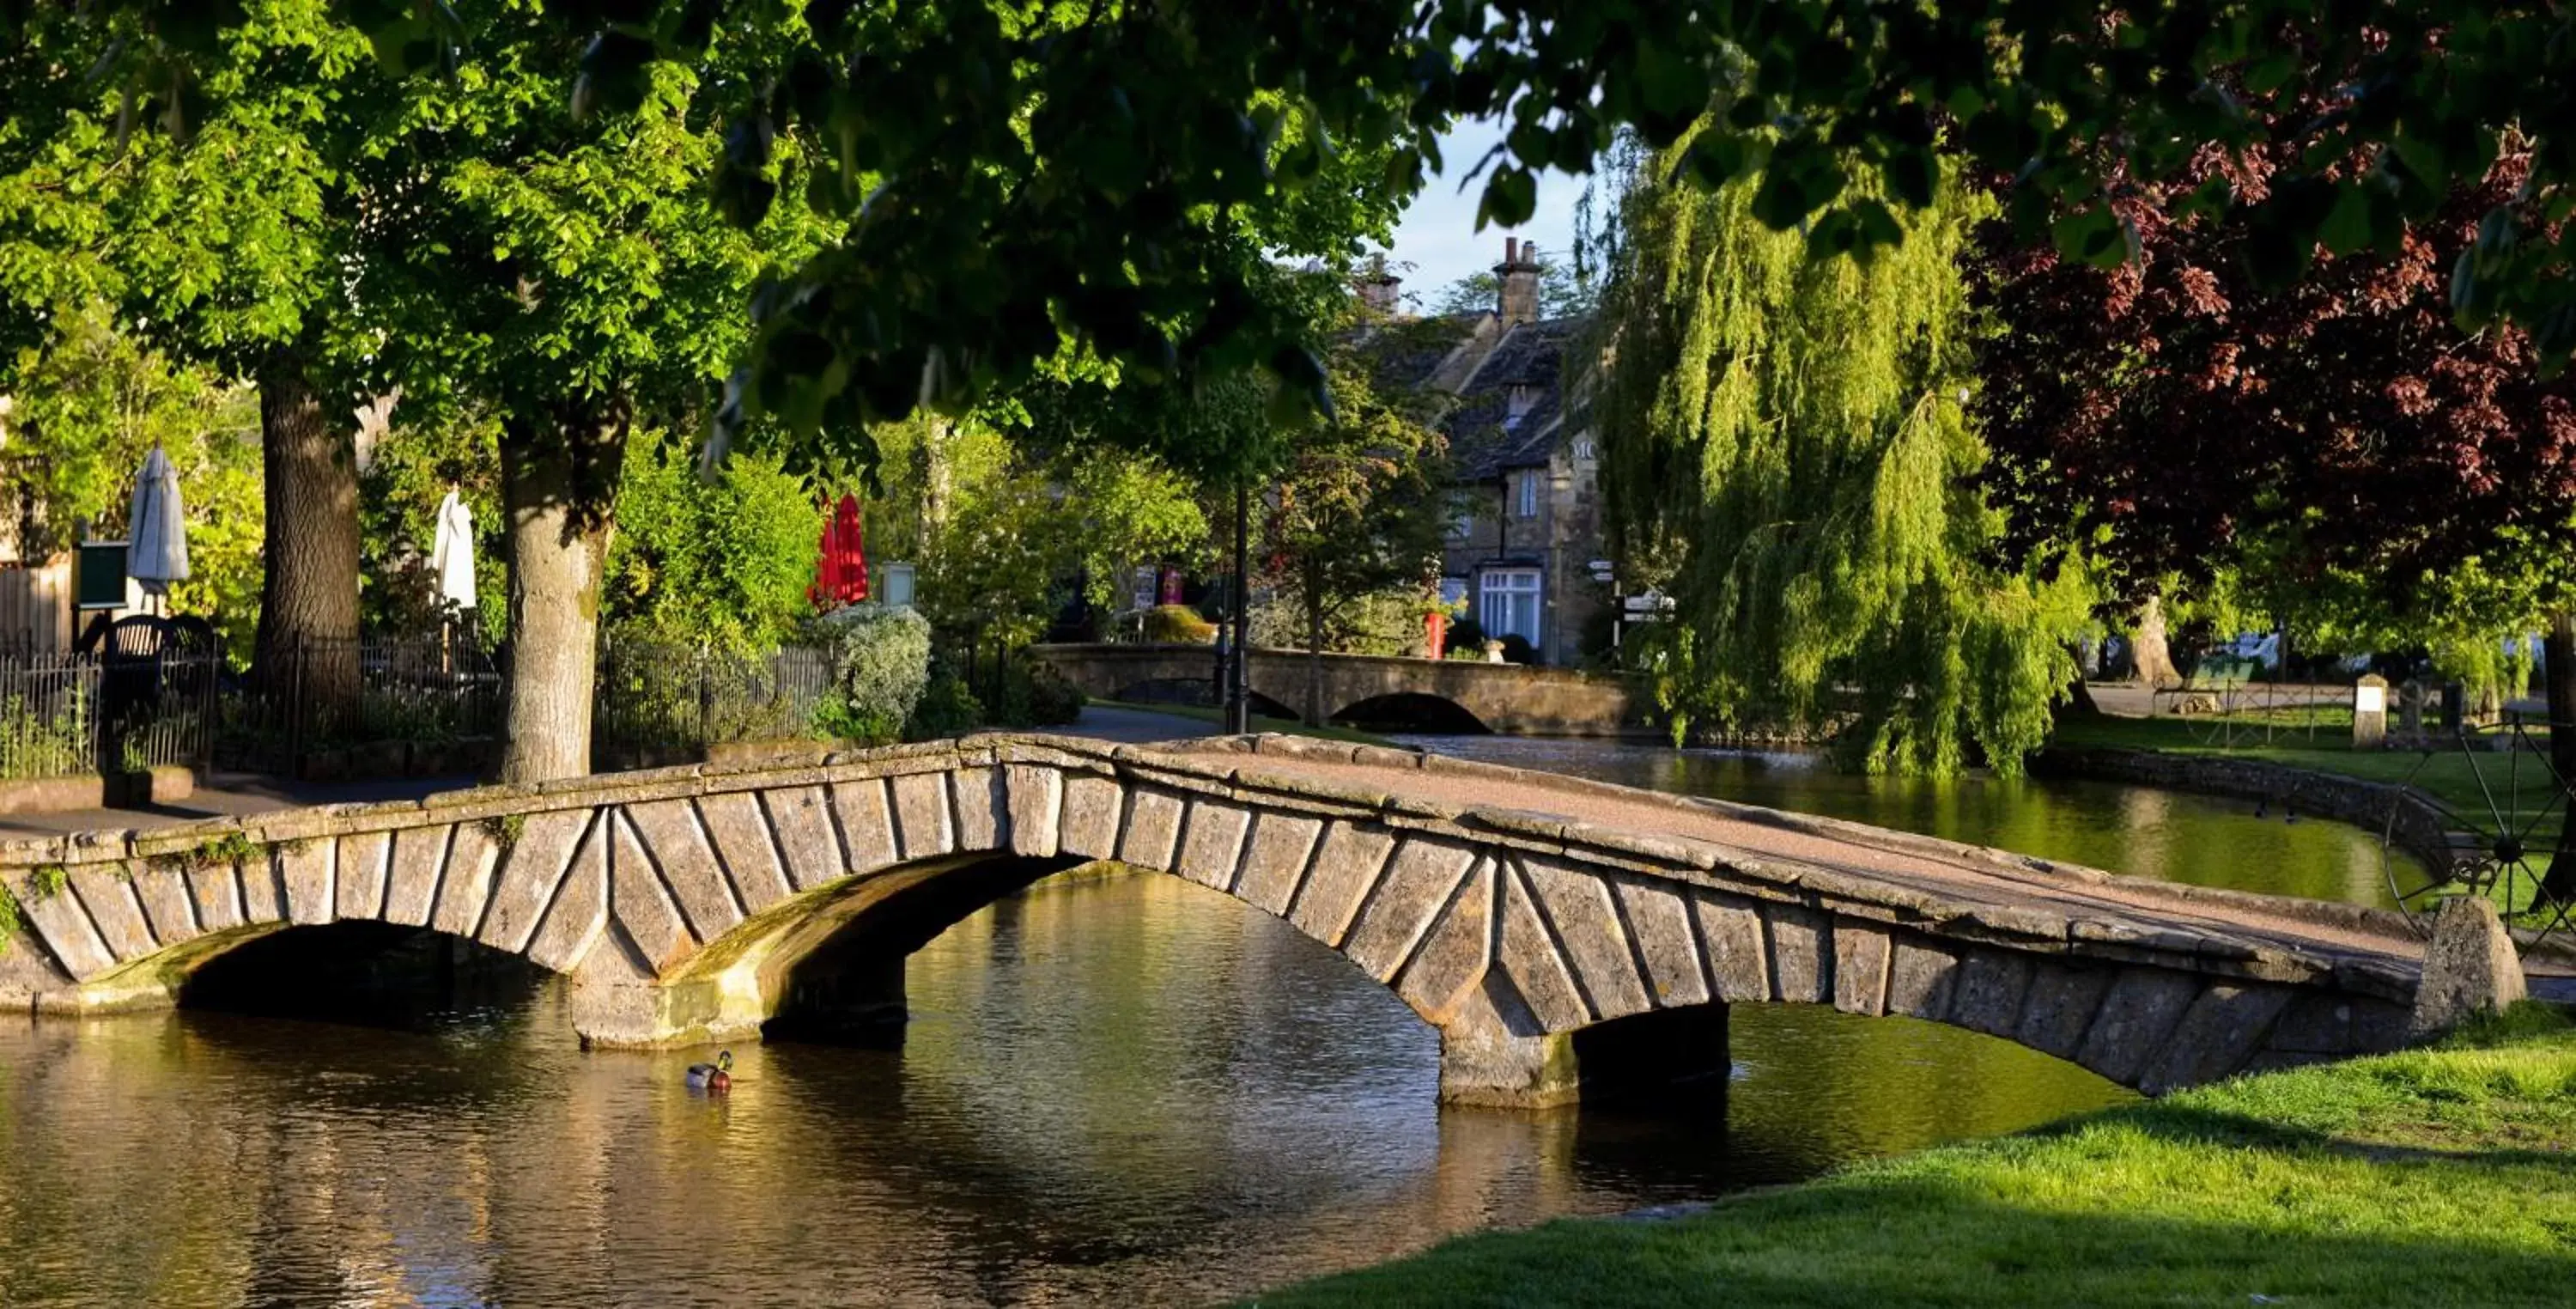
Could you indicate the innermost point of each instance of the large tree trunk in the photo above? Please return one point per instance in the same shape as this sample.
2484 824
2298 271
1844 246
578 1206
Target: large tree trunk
308 603
2558 650
2153 660
559 471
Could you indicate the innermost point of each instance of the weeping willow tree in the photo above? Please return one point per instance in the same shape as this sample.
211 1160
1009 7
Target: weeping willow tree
1788 458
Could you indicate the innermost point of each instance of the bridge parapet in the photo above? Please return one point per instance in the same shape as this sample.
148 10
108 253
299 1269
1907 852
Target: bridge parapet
1515 698
1510 910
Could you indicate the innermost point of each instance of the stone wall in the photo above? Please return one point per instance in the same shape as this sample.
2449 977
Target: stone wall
1514 698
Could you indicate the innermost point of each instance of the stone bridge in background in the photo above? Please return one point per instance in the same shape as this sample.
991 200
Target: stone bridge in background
1439 694
1554 931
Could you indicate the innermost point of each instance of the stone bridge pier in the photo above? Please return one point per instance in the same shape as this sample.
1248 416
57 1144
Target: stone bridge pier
1556 932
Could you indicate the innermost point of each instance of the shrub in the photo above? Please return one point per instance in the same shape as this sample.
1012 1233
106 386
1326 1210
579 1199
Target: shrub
947 707
880 670
1178 623
1047 698
1467 634
1518 650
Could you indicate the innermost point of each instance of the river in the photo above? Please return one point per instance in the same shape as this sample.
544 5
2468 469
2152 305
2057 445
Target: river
1122 1087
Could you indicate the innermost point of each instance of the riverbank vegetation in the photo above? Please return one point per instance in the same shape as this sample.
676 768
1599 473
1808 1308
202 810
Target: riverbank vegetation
2435 1176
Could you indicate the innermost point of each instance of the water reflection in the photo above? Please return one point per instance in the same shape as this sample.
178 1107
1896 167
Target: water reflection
2204 840
1112 1088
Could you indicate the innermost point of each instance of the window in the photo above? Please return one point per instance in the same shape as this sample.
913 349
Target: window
1453 591
1525 495
1462 525
1509 604
1517 405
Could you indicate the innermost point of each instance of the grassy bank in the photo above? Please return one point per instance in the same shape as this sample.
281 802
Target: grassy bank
2447 774
2434 1177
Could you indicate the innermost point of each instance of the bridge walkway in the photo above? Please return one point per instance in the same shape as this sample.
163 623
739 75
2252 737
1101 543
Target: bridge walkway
1997 881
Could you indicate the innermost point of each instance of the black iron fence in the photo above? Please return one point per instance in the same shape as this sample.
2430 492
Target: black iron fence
71 715
380 704
661 703
374 692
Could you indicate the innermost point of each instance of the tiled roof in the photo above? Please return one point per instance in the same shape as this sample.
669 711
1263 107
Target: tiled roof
1484 439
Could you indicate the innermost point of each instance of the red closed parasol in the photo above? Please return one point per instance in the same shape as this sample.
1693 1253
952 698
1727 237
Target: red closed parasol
841 575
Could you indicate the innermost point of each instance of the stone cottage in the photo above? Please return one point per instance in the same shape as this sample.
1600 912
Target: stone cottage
1523 551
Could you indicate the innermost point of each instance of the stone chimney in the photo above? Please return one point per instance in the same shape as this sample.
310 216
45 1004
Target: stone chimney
1378 289
1517 275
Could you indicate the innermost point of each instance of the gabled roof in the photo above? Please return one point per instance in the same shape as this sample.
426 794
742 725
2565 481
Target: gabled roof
1483 364
1485 439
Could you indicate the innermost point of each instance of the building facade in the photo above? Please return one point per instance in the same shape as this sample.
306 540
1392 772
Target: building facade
1526 551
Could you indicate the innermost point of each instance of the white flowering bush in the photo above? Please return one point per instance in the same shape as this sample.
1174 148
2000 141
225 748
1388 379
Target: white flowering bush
880 665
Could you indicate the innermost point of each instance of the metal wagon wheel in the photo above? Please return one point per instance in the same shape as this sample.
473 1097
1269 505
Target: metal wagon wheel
2500 848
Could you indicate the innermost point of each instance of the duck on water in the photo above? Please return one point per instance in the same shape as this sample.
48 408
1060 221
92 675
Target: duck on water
717 1076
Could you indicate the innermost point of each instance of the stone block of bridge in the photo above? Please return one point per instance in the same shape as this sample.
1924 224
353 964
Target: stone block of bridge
2470 968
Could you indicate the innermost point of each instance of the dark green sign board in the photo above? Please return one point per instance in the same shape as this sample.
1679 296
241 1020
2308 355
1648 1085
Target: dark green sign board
101 583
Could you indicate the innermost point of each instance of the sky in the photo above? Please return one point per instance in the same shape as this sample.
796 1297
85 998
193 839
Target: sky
1438 233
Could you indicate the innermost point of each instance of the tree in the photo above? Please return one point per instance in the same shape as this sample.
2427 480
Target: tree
2334 452
89 405
1013 161
1362 506
225 248
1784 449
725 560
561 272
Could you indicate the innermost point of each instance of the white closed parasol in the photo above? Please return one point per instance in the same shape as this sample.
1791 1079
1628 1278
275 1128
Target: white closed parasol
451 552
156 545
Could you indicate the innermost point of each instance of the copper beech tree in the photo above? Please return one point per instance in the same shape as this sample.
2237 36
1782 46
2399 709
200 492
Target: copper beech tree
2332 446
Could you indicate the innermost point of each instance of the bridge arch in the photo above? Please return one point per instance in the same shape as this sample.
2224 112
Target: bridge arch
701 904
1411 711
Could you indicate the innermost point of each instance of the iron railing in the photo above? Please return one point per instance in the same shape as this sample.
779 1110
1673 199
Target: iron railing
71 715
48 717
330 694
661 703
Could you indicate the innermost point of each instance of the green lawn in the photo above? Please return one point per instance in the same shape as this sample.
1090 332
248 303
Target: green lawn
2433 1177
2448 774
1288 726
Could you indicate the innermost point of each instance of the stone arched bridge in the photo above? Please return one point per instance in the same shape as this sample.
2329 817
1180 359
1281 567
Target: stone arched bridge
1515 698
1511 910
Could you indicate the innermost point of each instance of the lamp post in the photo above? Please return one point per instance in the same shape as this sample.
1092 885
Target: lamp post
1238 689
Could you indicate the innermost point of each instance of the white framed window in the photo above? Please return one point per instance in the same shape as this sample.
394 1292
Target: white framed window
1525 495
1507 603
